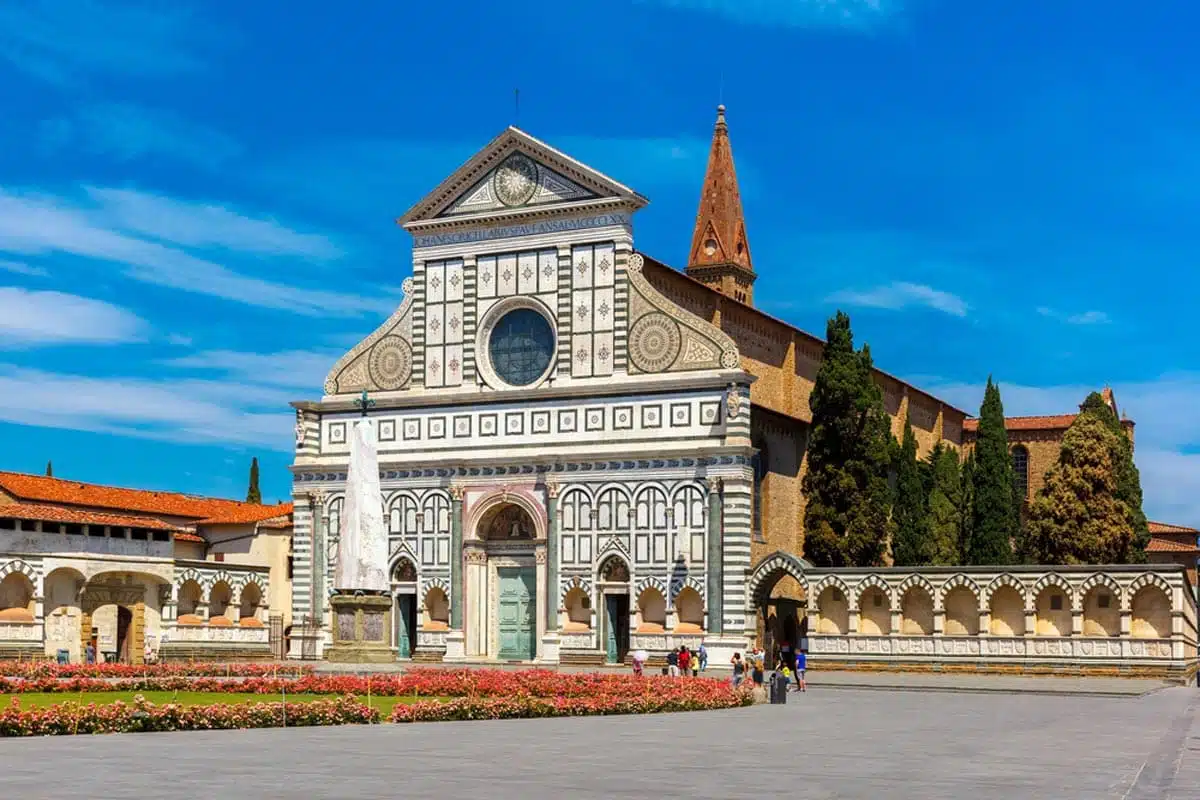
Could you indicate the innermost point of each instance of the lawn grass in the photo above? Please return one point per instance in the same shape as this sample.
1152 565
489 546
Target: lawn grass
42 699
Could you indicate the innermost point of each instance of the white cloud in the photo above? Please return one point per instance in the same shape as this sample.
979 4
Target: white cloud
21 268
299 369
1166 435
901 294
179 340
30 318
853 14
125 132
189 411
205 225
42 224
1083 318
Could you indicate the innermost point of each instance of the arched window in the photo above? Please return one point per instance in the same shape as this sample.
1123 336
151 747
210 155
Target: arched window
576 527
1020 462
690 522
435 530
650 526
761 464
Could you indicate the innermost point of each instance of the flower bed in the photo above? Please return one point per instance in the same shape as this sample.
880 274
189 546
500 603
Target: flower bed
68 718
664 699
48 669
419 682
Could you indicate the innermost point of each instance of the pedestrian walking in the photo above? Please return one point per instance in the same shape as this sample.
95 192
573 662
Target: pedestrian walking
756 666
694 661
703 654
685 660
739 669
801 666
673 663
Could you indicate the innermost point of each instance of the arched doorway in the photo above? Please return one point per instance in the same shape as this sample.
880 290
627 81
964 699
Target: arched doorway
124 639
404 587
613 579
779 594
504 570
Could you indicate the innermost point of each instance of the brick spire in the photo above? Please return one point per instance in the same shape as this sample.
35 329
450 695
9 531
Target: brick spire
720 254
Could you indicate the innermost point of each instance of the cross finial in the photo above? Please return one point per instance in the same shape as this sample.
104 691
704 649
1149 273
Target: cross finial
364 402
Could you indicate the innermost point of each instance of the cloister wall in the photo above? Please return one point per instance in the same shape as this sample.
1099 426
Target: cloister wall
1115 619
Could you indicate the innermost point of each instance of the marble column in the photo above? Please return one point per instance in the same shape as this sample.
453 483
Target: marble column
456 558
317 580
551 555
714 556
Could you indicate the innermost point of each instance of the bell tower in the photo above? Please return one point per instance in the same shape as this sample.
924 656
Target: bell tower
720 254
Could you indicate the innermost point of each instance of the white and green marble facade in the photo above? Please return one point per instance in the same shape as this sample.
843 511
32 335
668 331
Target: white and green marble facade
631 448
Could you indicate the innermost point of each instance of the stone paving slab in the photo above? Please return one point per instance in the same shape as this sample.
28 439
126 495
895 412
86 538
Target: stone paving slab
821 745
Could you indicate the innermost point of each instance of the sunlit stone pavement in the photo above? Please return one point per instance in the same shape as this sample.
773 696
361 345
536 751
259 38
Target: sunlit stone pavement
843 743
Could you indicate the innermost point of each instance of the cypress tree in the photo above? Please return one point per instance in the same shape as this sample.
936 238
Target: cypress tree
995 524
966 508
945 506
1078 517
1129 479
253 495
49 469
911 545
847 518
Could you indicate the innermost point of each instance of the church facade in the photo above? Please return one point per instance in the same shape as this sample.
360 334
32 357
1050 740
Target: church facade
584 452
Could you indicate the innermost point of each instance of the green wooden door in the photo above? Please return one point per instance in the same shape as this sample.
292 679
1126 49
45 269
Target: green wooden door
404 619
616 627
518 613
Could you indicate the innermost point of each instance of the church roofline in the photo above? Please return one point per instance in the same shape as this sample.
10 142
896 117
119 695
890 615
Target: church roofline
491 155
656 264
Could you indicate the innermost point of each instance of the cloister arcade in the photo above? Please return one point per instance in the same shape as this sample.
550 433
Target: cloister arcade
1135 617
130 610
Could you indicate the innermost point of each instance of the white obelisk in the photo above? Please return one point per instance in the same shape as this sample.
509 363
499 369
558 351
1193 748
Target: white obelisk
362 546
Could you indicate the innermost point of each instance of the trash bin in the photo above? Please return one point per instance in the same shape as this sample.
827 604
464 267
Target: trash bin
64 656
779 684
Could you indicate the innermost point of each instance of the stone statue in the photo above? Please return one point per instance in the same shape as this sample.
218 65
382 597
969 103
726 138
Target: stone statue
515 531
362 544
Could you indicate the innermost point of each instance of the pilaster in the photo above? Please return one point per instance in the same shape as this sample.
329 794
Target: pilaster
716 620
551 555
456 558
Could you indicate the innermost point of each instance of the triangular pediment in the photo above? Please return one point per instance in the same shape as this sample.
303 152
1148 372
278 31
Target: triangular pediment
516 171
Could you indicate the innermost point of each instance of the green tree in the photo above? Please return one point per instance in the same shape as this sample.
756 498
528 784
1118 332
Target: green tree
995 524
847 519
1079 517
945 506
911 545
49 469
966 508
253 495
1129 479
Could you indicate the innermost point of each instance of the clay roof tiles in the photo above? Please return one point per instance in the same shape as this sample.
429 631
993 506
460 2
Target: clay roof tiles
1157 545
51 513
206 510
1163 527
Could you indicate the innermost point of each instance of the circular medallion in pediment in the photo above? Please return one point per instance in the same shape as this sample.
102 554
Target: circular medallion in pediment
515 180
391 363
654 342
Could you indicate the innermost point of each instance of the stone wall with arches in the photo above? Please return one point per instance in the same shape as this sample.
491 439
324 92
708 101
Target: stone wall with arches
1115 619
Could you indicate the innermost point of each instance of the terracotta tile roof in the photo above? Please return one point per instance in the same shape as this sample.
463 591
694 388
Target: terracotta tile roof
48 513
43 489
1042 423
189 537
1163 527
282 523
1156 545
246 513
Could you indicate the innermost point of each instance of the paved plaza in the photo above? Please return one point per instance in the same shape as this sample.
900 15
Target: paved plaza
830 744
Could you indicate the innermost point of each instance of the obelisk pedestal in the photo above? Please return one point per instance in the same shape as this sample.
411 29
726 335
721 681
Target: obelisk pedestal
362 605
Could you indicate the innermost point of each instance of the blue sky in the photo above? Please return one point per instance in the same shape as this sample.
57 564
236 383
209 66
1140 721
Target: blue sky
196 201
